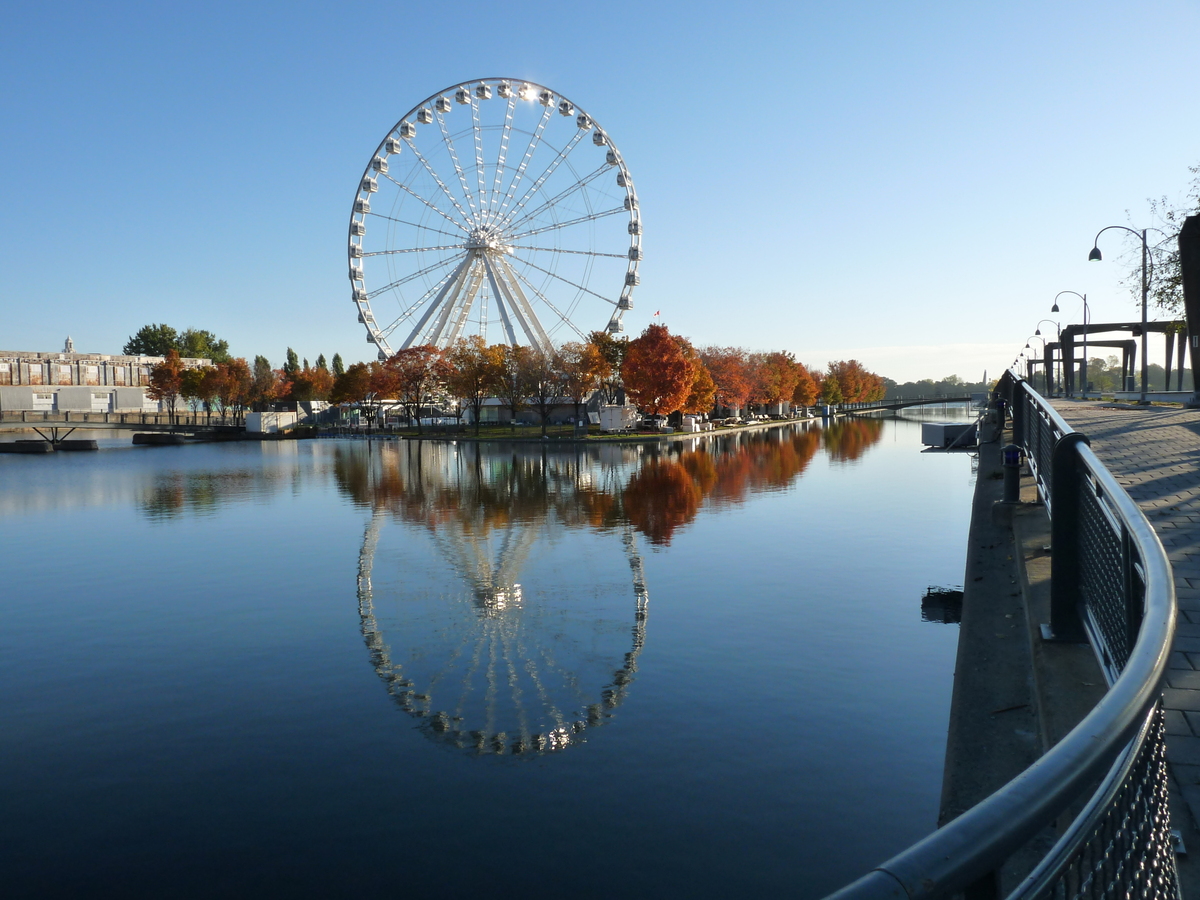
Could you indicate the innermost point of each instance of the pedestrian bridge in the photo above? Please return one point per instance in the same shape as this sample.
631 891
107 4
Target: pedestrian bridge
892 405
17 420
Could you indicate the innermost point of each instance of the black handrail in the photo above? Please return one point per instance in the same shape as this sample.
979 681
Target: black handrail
1124 725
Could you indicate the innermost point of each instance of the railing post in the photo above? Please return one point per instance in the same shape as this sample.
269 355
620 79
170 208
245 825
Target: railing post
1066 594
1019 416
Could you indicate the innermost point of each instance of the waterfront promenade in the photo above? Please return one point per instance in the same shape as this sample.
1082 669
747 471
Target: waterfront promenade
1154 453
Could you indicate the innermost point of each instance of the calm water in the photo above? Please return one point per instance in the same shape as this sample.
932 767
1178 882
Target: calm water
326 668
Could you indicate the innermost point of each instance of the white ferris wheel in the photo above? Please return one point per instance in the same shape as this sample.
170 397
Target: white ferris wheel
496 207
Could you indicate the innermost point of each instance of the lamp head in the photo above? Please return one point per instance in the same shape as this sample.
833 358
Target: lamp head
1054 308
1094 256
1037 331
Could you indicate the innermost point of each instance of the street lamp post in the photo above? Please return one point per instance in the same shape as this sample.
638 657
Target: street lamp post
1045 371
1083 371
1037 331
1094 255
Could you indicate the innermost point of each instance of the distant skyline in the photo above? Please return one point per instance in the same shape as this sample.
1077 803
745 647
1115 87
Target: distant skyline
909 185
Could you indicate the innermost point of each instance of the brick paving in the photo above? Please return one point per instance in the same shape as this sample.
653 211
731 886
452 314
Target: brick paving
1155 453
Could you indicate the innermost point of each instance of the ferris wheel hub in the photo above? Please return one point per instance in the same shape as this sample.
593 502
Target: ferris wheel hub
488 237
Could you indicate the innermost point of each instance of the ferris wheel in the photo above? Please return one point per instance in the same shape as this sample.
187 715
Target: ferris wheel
496 207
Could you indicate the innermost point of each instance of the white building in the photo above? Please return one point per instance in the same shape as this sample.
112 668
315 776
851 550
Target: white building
78 382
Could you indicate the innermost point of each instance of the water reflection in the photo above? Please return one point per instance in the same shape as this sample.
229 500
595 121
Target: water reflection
489 608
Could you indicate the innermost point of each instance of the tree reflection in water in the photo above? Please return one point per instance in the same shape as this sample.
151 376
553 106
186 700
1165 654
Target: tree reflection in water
489 664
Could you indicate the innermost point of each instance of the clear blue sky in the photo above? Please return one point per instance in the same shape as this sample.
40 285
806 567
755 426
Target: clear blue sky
907 183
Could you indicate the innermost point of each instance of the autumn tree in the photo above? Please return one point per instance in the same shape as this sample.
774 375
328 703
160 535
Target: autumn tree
512 387
213 386
543 380
419 373
311 383
166 382
612 351
352 386
778 376
191 388
657 374
730 373
475 369
806 390
236 386
703 391
582 367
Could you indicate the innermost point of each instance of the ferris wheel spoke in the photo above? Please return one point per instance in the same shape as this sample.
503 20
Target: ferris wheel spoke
566 280
560 196
576 252
591 217
534 140
462 177
477 133
411 277
554 309
441 212
541 179
501 159
416 225
445 190
412 250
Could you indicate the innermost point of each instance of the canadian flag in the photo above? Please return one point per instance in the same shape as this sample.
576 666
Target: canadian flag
655 316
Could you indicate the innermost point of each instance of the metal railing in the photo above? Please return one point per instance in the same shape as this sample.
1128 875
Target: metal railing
1112 583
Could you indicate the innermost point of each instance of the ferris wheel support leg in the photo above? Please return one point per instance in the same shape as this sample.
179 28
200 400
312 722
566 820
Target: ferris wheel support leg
506 304
514 286
451 284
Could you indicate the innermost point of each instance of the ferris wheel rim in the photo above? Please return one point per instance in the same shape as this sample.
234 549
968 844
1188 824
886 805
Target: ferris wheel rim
470 270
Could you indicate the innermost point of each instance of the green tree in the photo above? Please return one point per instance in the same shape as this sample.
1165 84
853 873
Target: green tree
262 383
321 362
152 340
196 343
292 365
339 368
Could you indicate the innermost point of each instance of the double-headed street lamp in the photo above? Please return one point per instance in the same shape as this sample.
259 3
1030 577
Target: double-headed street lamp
1083 370
1094 255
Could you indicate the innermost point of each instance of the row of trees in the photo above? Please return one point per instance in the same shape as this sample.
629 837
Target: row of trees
662 373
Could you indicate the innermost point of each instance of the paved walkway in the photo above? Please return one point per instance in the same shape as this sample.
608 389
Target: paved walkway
1155 453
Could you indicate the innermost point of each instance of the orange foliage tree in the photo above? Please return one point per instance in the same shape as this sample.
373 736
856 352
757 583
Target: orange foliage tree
474 372
806 390
166 381
352 386
657 374
418 374
730 372
778 377
582 367
703 391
